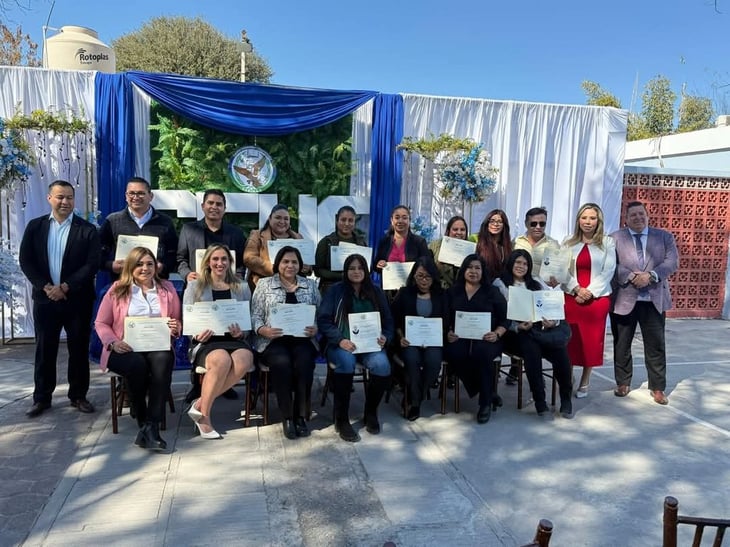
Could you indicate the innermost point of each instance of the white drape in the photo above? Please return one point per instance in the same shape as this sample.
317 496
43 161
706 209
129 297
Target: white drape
24 90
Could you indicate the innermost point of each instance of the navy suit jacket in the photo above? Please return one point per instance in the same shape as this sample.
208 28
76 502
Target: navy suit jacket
660 256
80 258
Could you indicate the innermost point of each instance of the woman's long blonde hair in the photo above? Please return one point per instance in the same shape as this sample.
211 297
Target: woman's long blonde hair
123 288
205 279
577 236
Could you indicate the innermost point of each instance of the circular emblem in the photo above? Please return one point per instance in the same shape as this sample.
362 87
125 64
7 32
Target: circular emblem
252 169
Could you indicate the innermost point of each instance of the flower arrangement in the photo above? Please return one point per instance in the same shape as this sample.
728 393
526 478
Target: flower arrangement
15 158
466 175
10 273
422 227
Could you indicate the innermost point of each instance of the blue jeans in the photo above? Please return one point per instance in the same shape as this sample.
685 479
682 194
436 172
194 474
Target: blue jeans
377 362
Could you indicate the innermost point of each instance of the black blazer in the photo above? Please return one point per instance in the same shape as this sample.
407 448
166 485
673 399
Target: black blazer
80 259
416 246
192 237
405 304
486 299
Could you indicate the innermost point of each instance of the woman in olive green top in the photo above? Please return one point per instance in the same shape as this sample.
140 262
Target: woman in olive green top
456 228
345 230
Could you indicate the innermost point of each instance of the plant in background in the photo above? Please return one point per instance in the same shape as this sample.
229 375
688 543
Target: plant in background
15 159
422 227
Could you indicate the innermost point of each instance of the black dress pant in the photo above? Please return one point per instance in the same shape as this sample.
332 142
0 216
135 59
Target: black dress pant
291 367
148 375
623 328
473 363
74 316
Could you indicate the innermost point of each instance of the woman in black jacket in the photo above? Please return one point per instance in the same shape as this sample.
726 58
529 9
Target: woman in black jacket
473 359
399 244
422 296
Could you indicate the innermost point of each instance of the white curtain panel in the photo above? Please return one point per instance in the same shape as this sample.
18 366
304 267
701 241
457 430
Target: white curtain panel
557 156
24 90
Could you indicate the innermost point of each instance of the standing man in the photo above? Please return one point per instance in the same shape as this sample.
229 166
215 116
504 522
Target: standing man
210 229
199 235
535 241
646 257
59 254
138 218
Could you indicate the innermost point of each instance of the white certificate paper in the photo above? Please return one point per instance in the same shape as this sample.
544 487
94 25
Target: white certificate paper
526 305
395 274
472 325
147 333
292 318
454 251
338 254
424 331
200 253
216 316
555 264
364 331
127 243
305 247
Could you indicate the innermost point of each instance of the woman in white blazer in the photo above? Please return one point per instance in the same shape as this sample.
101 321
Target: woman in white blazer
588 290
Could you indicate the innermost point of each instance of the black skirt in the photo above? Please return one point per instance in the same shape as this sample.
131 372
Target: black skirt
201 351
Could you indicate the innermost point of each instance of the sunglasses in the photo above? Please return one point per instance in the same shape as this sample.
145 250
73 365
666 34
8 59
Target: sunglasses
535 224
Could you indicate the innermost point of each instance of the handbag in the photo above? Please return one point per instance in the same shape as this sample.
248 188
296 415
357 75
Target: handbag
556 337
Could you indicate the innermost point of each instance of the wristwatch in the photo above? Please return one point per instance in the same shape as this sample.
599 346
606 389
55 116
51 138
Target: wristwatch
654 277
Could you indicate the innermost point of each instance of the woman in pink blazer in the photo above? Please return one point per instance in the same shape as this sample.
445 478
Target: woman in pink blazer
588 290
140 292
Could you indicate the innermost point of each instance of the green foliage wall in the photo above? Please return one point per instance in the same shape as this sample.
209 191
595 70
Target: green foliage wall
188 156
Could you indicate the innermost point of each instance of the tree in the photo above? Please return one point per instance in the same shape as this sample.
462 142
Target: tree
597 96
657 106
192 47
17 49
695 113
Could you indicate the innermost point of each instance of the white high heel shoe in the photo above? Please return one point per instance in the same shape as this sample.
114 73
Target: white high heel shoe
210 435
193 413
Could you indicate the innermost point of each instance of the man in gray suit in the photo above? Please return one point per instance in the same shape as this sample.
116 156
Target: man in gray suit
646 257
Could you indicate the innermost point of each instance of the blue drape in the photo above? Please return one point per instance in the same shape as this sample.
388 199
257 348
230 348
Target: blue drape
387 163
249 109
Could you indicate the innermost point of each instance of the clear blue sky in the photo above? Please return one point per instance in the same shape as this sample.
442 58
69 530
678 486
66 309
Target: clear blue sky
530 50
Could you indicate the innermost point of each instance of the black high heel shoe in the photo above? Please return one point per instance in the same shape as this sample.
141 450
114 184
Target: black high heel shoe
485 412
497 402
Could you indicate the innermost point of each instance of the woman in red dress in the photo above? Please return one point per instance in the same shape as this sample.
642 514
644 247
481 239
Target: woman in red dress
588 289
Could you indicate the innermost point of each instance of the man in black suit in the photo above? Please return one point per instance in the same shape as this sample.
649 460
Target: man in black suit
59 254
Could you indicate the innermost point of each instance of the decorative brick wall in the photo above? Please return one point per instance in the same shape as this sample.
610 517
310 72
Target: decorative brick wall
696 210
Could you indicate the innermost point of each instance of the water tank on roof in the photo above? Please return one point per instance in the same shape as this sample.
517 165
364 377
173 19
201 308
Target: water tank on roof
78 48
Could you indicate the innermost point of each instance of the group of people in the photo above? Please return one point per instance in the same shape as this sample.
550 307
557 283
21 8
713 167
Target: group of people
625 273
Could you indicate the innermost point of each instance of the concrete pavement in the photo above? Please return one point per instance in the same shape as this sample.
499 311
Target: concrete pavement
601 477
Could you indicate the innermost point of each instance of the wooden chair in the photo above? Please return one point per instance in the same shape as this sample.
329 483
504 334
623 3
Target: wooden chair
443 391
252 394
119 395
517 361
362 375
542 534
398 376
672 519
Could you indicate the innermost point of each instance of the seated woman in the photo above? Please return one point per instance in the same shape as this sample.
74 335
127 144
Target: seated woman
290 358
473 359
456 228
227 357
520 342
345 231
140 292
256 254
356 293
422 296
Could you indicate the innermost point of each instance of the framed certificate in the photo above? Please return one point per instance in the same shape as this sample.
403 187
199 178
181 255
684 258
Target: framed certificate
364 331
395 274
472 325
127 243
305 247
217 316
147 333
292 318
338 254
454 251
424 331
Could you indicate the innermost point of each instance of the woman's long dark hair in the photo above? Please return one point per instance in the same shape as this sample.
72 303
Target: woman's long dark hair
280 255
508 277
390 231
494 249
455 219
427 263
460 277
367 289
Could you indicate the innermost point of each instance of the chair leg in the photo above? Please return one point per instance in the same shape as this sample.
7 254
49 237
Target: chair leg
265 382
443 387
171 401
520 364
327 386
457 394
115 422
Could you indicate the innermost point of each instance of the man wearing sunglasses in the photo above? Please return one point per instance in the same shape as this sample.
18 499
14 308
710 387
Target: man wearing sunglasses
139 218
535 241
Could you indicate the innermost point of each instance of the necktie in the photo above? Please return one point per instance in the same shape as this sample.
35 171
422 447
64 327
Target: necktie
639 251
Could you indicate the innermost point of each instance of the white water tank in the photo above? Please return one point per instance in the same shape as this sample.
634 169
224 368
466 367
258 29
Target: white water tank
78 48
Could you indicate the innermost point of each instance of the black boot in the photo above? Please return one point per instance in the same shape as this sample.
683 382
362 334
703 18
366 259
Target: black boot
377 386
566 403
151 436
342 388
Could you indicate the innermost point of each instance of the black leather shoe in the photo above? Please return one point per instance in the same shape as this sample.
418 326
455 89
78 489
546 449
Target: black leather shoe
347 433
141 441
37 409
301 428
290 430
230 394
153 439
485 412
83 406
372 425
414 413
566 409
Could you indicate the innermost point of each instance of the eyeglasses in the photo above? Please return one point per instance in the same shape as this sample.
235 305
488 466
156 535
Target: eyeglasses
423 277
496 222
139 194
535 224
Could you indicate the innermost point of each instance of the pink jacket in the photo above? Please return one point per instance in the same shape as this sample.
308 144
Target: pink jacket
109 321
